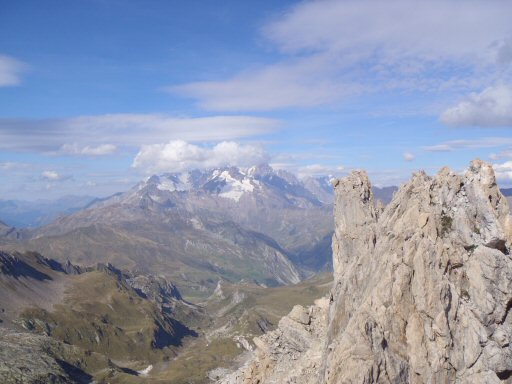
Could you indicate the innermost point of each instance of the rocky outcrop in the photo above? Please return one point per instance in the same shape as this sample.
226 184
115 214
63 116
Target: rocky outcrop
290 354
422 290
35 359
155 288
8 233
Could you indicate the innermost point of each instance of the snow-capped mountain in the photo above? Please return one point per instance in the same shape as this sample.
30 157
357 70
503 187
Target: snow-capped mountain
196 227
321 188
235 184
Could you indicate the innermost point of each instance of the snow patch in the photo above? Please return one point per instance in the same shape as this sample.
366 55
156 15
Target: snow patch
242 341
196 224
234 189
144 372
172 183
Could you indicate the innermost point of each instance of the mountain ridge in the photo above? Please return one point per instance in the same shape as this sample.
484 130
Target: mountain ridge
421 293
198 227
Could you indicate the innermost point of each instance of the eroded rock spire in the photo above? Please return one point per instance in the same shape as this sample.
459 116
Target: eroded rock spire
422 290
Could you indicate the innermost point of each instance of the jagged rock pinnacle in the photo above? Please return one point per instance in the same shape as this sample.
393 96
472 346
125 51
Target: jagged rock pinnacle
422 290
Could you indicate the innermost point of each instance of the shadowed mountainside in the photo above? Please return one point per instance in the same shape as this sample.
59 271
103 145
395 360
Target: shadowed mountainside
87 322
64 323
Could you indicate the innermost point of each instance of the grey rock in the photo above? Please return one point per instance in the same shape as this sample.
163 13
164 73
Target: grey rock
34 359
422 289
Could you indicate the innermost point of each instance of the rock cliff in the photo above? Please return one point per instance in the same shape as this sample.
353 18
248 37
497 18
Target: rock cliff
422 290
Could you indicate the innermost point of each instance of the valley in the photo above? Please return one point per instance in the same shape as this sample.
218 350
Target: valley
167 282
101 324
182 279
256 192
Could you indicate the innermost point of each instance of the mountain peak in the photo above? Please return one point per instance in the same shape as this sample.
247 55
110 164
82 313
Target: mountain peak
231 183
260 170
422 290
234 182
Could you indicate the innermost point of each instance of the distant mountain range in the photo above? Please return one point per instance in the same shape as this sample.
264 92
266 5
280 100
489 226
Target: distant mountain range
256 224
23 214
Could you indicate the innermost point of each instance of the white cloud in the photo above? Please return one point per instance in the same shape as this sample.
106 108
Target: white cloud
408 156
393 29
10 71
11 165
310 170
502 154
178 155
503 171
504 52
76 150
484 142
490 108
332 49
314 170
93 135
303 83
51 176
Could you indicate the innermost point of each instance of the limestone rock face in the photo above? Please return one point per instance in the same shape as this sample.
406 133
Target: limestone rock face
290 354
422 290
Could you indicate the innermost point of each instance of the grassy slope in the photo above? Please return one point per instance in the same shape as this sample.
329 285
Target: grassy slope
106 330
101 315
193 260
220 346
99 324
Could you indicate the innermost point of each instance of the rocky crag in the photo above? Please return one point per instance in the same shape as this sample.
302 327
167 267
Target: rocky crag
422 290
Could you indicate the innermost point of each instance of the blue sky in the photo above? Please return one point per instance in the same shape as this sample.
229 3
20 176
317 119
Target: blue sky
97 94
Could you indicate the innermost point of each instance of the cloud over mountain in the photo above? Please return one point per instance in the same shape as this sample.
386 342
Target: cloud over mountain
503 171
178 155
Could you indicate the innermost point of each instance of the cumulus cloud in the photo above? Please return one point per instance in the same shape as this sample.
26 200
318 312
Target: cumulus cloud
454 145
490 108
332 49
408 156
76 150
178 155
54 176
99 134
503 171
10 71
